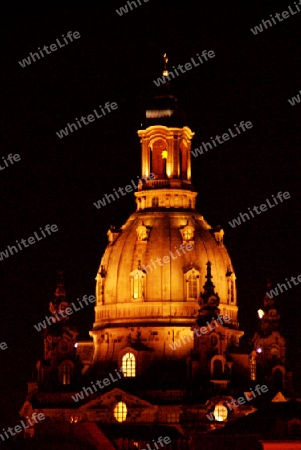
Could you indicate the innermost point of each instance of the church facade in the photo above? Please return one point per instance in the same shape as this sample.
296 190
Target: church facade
164 368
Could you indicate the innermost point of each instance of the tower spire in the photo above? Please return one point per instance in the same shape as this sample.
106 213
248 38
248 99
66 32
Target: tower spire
209 299
165 70
59 303
269 316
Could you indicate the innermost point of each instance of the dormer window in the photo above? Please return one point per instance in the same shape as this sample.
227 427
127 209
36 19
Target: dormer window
187 234
219 235
112 234
142 233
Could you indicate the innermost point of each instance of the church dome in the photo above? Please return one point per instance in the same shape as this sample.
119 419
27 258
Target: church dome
154 269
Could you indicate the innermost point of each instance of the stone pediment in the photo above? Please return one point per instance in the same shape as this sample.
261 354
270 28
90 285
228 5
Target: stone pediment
279 397
109 399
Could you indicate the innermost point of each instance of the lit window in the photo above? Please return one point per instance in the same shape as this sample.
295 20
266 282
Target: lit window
187 233
137 284
120 412
173 417
192 286
65 373
253 369
142 233
220 413
129 365
158 158
73 419
232 291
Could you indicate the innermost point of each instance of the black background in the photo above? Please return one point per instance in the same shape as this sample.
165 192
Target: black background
57 180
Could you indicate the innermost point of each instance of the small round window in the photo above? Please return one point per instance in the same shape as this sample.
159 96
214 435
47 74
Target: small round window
220 413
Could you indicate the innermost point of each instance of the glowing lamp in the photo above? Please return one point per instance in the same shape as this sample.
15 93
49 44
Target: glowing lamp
260 313
259 350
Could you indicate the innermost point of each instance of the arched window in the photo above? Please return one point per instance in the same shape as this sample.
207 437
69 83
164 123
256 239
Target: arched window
137 284
120 412
66 372
129 365
192 286
192 283
158 158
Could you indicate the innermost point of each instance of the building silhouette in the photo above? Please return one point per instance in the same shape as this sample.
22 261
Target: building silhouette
167 357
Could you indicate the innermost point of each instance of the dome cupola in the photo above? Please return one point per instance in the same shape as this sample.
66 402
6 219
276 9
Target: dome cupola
149 283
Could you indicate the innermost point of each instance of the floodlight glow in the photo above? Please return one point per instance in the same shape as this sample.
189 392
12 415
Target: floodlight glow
260 313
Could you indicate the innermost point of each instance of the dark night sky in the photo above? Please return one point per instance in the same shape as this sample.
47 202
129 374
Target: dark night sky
57 180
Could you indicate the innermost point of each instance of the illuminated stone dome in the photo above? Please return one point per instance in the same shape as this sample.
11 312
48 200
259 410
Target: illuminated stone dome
152 276
154 268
